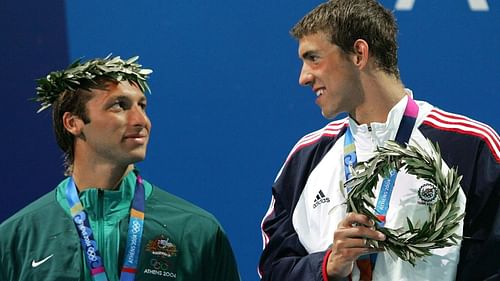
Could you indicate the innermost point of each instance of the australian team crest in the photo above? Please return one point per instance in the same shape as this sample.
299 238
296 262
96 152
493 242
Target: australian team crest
162 246
427 194
161 253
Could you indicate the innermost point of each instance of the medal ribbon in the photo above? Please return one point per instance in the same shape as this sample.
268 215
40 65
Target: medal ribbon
89 245
402 137
367 263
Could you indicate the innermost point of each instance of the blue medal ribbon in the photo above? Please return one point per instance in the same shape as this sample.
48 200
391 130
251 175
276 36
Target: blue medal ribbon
402 137
89 245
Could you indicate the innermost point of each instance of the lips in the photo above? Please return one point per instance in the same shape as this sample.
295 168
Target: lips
139 138
135 136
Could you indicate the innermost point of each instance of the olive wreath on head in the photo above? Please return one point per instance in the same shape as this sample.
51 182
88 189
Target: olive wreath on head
80 75
417 239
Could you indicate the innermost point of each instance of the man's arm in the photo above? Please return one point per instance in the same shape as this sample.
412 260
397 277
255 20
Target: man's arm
480 255
223 263
474 148
284 257
3 262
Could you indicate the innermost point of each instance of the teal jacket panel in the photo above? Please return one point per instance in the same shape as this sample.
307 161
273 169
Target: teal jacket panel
40 243
180 242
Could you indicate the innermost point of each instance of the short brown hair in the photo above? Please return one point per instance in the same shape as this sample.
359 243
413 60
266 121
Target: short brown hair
75 103
346 21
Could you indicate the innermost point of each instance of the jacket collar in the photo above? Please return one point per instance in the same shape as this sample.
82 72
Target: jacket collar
379 132
102 203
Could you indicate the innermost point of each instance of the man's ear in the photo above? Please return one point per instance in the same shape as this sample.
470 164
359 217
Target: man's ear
361 53
73 124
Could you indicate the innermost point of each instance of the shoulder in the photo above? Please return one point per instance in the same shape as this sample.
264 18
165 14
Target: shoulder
38 220
307 153
45 203
324 135
452 127
164 204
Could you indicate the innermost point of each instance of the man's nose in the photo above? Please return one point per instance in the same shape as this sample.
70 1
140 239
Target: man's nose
138 116
305 77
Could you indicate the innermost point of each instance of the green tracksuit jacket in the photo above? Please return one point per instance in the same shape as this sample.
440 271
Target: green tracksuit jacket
180 241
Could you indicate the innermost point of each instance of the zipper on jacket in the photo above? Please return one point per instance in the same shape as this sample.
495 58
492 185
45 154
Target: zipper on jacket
372 137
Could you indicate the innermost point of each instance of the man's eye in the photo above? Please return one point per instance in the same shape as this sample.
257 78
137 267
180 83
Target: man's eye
118 105
312 58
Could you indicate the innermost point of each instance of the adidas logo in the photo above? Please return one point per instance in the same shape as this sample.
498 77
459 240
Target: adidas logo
320 199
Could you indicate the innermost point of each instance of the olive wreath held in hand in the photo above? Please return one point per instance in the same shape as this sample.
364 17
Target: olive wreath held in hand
416 240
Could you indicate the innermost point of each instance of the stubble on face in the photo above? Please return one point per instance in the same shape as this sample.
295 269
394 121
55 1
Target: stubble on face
118 131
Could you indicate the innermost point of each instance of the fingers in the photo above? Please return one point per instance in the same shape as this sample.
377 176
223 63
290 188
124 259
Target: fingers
356 243
344 253
351 240
354 219
357 238
358 226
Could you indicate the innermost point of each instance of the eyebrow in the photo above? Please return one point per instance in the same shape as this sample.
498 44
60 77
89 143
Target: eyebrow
308 54
126 98
143 98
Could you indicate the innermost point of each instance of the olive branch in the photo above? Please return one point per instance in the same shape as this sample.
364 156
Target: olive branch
417 239
83 75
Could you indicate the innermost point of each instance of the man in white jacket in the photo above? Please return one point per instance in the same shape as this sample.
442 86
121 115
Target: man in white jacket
349 54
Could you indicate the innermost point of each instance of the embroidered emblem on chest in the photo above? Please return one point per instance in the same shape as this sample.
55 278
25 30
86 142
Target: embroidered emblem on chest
161 246
161 257
427 194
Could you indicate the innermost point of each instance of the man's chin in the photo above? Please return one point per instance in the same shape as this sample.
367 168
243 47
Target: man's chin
328 115
136 158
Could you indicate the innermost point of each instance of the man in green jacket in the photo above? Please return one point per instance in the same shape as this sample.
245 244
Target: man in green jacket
104 222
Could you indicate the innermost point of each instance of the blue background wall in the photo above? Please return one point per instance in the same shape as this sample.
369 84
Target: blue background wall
226 106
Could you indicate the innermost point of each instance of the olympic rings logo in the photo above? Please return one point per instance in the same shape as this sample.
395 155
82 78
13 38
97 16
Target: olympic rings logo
158 264
91 254
136 226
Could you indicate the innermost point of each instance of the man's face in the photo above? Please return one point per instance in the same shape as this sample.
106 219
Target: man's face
331 73
118 131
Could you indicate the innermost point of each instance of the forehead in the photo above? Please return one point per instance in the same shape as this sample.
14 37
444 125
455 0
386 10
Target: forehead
314 42
121 89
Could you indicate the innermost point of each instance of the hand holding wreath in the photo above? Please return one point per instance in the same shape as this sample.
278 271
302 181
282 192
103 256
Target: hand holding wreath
416 240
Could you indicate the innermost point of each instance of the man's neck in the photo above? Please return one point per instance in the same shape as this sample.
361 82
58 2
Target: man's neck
106 177
381 94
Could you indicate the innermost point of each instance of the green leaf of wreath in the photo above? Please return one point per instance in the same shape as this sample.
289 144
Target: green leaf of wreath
55 83
417 239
